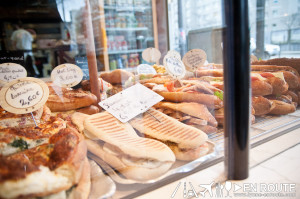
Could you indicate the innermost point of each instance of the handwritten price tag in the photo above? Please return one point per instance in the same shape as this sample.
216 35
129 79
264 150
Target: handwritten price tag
66 75
145 69
194 59
10 72
24 95
174 53
151 55
174 66
131 102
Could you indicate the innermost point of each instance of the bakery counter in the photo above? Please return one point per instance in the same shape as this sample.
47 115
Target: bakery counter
270 137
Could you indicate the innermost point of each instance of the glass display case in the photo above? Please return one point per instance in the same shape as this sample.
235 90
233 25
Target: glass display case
91 109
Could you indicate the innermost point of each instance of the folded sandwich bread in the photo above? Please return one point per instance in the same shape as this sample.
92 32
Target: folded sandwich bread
118 144
187 143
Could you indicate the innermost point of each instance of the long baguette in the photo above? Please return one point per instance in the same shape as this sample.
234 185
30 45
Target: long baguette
211 101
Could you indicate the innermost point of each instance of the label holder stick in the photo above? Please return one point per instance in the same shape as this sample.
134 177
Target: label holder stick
33 119
153 116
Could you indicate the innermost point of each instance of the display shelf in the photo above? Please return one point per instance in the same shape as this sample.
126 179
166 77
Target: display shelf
128 29
125 51
127 8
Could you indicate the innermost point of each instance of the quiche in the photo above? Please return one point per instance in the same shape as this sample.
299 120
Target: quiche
8 119
15 139
49 168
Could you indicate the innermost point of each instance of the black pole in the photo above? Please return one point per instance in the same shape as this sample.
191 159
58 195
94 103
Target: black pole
236 89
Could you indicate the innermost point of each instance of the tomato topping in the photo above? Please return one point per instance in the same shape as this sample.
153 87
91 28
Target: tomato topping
254 78
266 75
169 86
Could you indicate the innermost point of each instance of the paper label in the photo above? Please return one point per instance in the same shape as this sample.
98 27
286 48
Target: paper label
145 69
10 72
24 95
66 75
174 53
174 67
131 102
151 55
194 59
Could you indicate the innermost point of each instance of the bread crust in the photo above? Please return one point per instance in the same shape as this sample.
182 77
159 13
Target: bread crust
70 100
65 156
261 105
282 108
117 76
90 110
190 154
261 88
191 108
211 101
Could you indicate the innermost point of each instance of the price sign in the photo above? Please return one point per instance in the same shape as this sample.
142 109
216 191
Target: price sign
24 95
174 53
145 69
194 59
174 66
131 102
151 55
66 75
10 72
12 57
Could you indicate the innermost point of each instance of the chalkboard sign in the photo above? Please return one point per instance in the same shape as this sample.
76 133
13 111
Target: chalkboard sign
12 57
82 62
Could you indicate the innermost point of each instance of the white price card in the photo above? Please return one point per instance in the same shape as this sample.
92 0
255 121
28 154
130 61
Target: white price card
174 66
151 55
194 59
145 69
24 95
174 53
131 102
10 72
66 75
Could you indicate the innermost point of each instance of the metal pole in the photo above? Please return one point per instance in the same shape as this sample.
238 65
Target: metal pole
236 89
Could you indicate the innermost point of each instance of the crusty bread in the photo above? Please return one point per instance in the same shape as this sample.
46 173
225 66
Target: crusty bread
139 169
272 68
8 119
191 108
70 100
282 108
262 105
107 128
117 76
90 110
157 80
211 101
209 72
292 62
168 129
77 119
261 88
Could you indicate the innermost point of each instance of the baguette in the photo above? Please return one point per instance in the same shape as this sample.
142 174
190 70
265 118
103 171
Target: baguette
262 105
211 101
191 108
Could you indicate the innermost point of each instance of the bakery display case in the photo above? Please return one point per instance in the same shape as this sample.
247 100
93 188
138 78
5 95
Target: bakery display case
115 115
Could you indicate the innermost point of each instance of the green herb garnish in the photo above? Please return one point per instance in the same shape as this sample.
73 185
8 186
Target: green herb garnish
219 94
22 144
